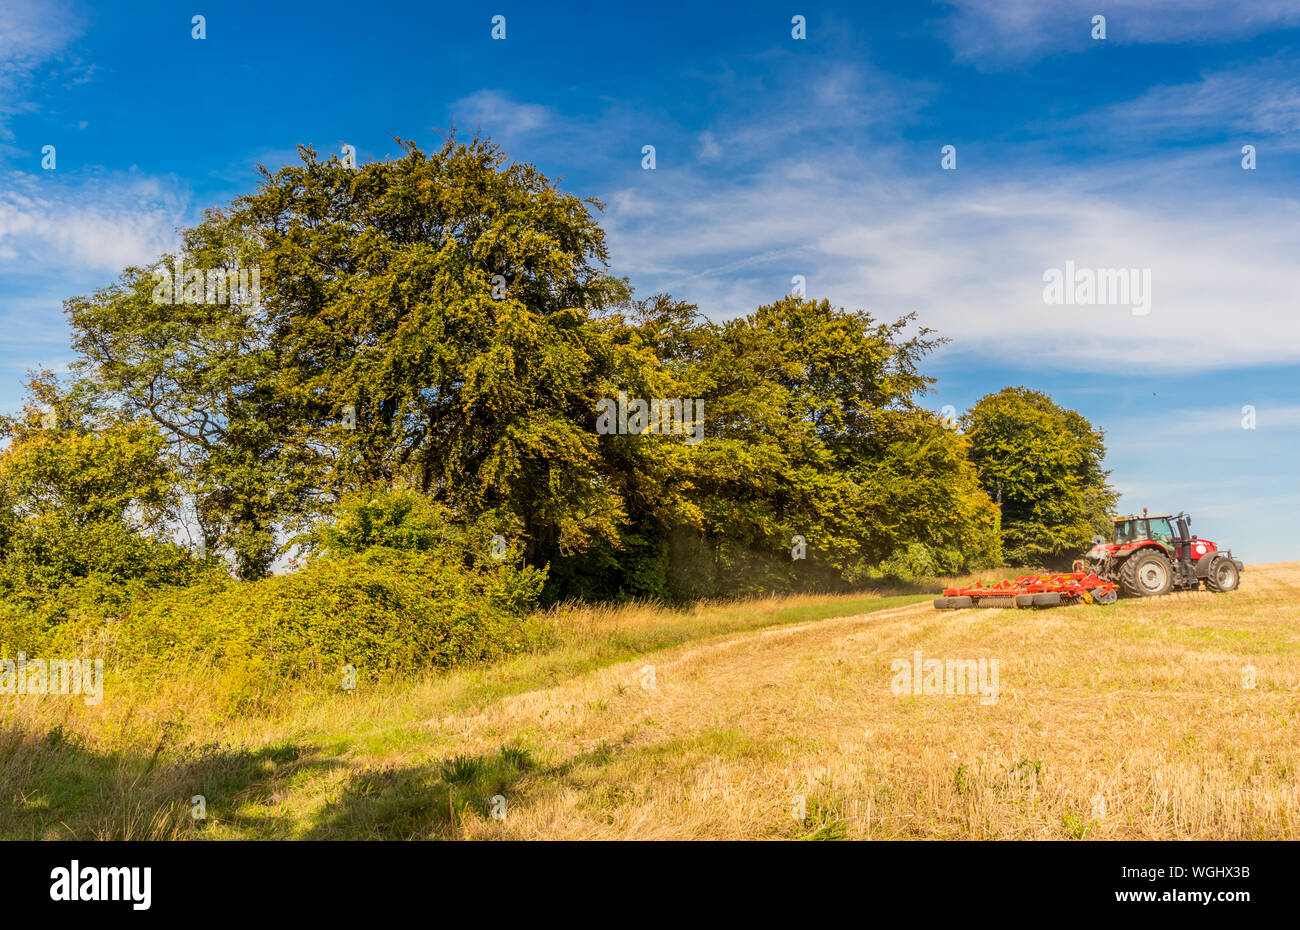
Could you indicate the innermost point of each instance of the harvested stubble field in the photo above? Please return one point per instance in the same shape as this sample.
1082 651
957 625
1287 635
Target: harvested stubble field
766 719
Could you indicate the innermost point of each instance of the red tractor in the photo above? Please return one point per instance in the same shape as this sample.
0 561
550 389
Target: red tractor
1151 554
1155 553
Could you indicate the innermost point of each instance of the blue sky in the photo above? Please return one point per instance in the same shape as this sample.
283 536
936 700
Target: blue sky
775 157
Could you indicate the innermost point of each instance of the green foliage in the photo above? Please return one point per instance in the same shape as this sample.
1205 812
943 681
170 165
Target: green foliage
1044 464
446 297
82 571
812 430
422 372
909 563
407 521
961 779
62 458
84 505
402 520
382 611
199 372
50 553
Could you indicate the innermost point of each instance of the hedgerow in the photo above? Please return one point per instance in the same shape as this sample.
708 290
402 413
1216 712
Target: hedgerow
382 611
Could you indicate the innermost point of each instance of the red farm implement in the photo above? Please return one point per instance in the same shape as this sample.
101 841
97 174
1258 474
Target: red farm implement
1032 591
1151 554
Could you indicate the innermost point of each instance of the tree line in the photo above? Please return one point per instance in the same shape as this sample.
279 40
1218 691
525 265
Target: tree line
442 328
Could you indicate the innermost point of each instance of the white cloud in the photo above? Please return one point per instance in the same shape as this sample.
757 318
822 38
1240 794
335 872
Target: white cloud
1263 98
969 257
1227 420
99 223
782 192
709 148
498 115
32 33
65 234
809 102
997 33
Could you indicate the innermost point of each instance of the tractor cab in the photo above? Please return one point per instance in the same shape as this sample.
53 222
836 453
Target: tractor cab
1133 531
1171 533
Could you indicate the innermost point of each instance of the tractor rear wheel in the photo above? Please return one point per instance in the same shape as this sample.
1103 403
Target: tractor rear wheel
1146 574
1223 576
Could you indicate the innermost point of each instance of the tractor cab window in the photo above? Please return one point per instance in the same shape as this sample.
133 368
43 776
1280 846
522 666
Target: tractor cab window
1124 531
1161 532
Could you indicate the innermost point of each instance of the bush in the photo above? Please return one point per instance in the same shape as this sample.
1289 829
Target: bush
394 587
49 553
909 563
401 519
381 611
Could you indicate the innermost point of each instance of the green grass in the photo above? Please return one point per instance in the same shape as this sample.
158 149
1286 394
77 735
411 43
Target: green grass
848 608
132 775
578 653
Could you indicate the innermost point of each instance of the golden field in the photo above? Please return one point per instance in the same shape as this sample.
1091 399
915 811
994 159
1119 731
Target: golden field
1170 718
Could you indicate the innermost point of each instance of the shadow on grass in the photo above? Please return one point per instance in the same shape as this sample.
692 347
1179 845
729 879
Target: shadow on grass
53 787
429 801
423 801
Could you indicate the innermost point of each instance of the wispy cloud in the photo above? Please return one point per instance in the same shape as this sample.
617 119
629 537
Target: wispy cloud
100 223
1231 421
499 115
1262 98
969 257
62 235
32 34
998 33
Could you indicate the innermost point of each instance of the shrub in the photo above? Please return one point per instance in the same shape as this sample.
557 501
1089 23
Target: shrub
909 563
381 611
49 553
401 519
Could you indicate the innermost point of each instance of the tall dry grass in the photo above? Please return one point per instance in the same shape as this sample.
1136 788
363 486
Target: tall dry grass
771 718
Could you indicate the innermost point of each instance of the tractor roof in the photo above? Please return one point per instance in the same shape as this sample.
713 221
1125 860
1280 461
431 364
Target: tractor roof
1142 516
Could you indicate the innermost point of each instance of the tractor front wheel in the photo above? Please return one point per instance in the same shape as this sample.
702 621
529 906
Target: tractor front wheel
1146 574
1222 576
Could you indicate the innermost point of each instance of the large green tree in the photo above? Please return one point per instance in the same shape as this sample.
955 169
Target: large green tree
813 442
819 435
430 321
1043 464
445 322
162 343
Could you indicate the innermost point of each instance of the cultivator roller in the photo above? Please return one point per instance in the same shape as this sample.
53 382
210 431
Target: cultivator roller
1032 591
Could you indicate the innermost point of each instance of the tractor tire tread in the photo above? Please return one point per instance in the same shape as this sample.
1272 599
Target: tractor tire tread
1212 581
1128 575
